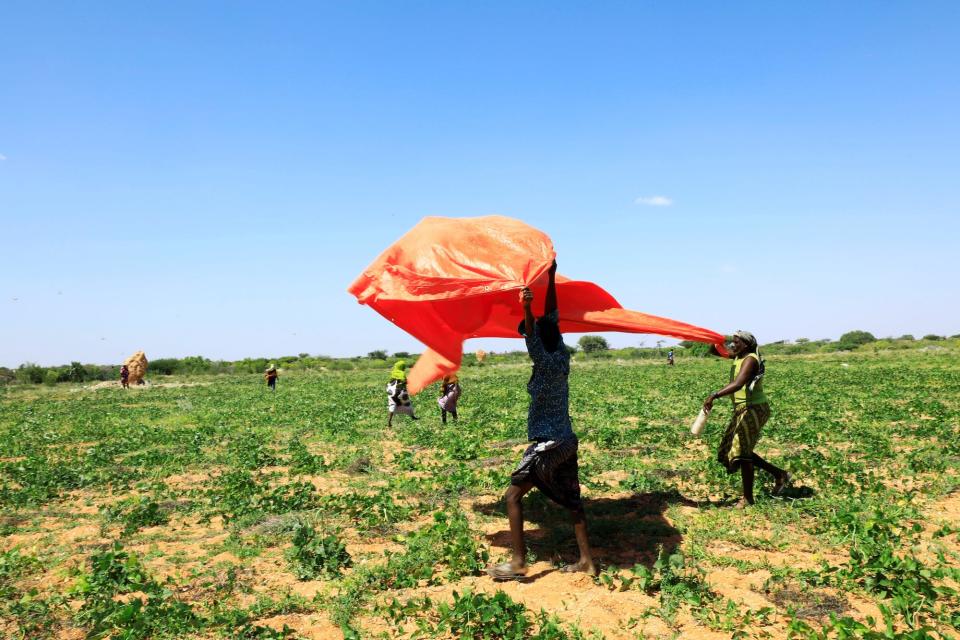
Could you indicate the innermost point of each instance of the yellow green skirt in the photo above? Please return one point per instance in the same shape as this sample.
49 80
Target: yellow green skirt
742 434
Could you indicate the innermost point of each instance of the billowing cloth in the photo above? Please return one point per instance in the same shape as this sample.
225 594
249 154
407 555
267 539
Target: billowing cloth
450 279
399 371
742 434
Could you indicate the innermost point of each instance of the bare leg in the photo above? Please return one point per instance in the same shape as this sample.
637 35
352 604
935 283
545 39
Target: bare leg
443 416
779 474
585 563
454 414
390 420
775 471
746 474
514 497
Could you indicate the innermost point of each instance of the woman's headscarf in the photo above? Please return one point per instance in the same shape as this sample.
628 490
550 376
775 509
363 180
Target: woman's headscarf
451 378
747 337
399 371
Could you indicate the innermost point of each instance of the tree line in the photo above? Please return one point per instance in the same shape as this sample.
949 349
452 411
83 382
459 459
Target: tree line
588 346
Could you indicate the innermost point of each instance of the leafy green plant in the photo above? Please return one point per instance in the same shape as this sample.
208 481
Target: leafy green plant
302 461
155 614
476 615
314 555
378 509
249 451
136 513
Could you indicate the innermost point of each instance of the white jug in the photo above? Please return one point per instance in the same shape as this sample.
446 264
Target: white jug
701 421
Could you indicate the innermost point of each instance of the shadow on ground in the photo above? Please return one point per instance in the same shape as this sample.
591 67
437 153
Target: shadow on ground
797 493
623 531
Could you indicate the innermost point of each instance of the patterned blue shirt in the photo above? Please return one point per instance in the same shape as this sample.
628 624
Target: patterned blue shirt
549 415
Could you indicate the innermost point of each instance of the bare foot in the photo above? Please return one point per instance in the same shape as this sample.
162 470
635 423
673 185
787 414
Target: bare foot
584 566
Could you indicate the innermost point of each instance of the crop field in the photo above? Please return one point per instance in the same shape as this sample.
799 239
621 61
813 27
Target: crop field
208 507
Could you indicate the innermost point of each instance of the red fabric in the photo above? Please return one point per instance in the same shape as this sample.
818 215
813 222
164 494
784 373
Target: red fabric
449 279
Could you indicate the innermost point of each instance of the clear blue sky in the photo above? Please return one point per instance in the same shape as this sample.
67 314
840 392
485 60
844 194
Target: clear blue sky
207 178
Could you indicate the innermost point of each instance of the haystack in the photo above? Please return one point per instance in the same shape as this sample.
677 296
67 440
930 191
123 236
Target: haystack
137 365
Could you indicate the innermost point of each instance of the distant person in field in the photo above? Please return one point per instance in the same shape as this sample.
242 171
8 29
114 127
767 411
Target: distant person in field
670 357
125 376
750 412
449 395
398 399
550 462
271 376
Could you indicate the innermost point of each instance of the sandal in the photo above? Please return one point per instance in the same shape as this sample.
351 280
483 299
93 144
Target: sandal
505 571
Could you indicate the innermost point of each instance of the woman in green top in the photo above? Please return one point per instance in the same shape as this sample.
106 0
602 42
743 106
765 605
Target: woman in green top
750 412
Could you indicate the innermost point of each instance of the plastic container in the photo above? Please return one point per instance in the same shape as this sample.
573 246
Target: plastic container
697 427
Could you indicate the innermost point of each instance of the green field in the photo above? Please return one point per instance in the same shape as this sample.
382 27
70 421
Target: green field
207 507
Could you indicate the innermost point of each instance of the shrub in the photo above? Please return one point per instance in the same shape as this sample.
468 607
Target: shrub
30 373
593 344
378 354
195 364
77 372
853 339
932 336
165 366
698 349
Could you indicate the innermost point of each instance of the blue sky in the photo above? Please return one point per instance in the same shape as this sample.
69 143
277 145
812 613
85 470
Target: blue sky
207 178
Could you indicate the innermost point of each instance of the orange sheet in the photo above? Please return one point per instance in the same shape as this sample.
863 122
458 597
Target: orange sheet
450 279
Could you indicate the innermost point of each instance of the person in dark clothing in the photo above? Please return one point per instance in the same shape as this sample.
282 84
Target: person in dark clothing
550 462
271 376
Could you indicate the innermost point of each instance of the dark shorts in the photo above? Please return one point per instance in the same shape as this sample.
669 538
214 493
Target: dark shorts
554 472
